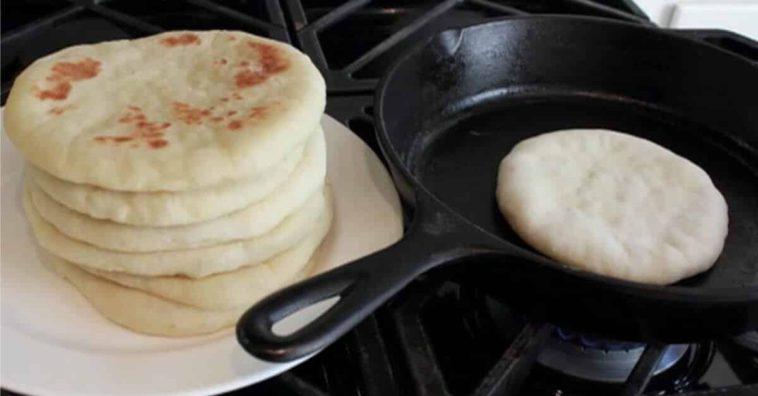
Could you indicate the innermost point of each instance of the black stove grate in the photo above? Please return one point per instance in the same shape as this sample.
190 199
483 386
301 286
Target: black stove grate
440 336
443 337
353 42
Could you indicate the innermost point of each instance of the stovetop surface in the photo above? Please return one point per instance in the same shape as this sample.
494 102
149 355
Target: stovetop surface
440 336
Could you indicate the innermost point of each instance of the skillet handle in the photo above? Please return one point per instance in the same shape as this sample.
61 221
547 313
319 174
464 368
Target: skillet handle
363 285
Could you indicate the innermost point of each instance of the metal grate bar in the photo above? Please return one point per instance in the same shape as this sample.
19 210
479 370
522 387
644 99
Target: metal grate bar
400 35
608 11
425 371
298 386
644 370
30 28
231 13
498 7
506 377
374 364
336 15
126 19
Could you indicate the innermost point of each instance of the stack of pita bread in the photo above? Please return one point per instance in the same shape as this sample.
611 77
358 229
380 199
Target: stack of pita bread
176 179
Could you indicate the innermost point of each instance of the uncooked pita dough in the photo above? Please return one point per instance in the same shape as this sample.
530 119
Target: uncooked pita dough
613 204
250 222
194 263
170 112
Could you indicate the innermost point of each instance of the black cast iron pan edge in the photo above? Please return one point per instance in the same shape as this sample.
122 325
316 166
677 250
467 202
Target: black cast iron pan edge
438 235
674 292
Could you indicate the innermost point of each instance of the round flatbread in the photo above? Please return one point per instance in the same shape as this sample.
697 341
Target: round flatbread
613 204
170 112
194 263
167 208
229 290
140 311
250 222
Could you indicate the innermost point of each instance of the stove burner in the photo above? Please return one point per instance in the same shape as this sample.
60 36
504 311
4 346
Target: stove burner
600 360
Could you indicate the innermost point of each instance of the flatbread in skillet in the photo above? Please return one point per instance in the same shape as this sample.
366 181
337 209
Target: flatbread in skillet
613 204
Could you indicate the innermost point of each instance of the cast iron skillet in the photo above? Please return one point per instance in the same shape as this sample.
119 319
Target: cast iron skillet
451 109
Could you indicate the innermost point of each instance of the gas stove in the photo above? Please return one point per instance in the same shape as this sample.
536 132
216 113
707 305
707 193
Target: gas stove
442 335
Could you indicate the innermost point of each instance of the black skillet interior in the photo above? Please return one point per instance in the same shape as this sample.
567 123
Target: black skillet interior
451 110
459 166
471 95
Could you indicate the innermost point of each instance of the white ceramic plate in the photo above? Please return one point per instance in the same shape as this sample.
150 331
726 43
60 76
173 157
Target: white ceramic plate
54 342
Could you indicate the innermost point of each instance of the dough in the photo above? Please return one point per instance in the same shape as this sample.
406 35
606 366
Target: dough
613 204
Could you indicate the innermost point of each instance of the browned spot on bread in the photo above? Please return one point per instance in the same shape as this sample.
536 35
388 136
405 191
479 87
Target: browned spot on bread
143 131
224 99
64 73
221 61
271 62
230 37
188 114
236 96
158 143
182 39
244 63
231 112
59 91
257 112
75 71
217 119
133 116
248 78
58 110
234 125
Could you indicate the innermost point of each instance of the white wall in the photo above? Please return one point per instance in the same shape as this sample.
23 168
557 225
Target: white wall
739 16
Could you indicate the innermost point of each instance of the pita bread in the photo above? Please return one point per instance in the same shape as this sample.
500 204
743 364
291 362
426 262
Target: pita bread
139 311
194 263
253 221
613 204
171 112
160 209
235 289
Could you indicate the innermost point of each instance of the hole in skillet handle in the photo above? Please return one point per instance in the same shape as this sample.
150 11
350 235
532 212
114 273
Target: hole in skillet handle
255 329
